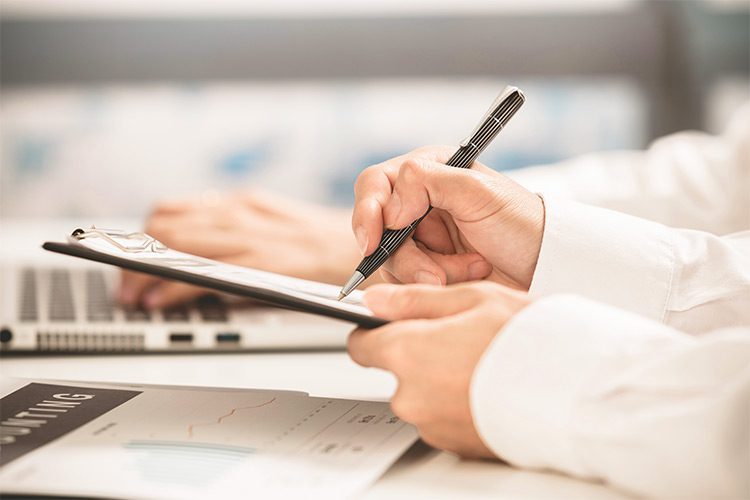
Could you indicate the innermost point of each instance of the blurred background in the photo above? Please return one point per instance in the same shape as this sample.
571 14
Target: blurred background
107 106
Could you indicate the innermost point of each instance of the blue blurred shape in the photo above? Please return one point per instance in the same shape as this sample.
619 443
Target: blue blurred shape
245 161
32 156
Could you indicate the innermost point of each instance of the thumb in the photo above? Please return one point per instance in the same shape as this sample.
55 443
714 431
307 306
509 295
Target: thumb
397 302
465 194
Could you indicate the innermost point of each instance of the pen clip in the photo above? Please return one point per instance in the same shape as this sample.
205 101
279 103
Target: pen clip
499 100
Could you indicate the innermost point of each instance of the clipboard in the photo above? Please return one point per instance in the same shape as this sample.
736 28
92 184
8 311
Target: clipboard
141 253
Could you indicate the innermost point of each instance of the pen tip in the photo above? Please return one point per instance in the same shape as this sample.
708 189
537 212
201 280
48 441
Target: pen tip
341 296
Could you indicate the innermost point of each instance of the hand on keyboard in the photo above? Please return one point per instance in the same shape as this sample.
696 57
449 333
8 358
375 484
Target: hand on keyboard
259 230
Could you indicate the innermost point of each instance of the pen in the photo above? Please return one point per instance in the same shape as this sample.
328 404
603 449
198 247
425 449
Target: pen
501 111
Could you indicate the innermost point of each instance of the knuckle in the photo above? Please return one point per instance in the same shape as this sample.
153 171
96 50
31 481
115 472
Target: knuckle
365 176
411 168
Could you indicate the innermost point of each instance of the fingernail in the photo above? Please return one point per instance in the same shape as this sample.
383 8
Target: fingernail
479 270
427 278
394 209
153 299
362 239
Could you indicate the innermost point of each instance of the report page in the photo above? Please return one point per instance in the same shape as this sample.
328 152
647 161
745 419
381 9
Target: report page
141 441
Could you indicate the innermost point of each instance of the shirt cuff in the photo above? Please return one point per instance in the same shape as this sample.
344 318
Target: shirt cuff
553 357
604 255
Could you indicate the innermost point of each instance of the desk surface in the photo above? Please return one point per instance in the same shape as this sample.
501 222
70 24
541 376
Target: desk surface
422 472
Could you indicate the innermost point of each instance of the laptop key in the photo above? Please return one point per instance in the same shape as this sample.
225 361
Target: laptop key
99 305
176 314
61 297
28 307
136 314
212 308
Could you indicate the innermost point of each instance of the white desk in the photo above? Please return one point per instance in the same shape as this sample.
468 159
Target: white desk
422 472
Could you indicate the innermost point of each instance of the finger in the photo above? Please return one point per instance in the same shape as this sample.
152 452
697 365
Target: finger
397 302
170 293
365 347
464 193
367 224
433 233
133 285
410 264
205 233
385 347
371 191
461 267
373 188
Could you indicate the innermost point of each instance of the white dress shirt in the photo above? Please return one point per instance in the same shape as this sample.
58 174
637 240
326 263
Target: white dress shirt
633 364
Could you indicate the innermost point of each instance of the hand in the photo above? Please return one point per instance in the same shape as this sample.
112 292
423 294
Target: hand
483 224
432 347
260 230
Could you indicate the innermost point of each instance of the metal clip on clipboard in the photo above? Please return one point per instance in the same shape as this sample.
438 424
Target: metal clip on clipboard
128 242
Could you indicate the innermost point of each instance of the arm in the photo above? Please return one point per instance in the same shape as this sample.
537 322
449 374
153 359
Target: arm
596 392
690 280
627 397
689 179
567 384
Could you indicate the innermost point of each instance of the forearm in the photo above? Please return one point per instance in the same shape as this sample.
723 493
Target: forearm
599 393
691 280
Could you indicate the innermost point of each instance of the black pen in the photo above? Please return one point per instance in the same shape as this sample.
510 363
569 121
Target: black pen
501 111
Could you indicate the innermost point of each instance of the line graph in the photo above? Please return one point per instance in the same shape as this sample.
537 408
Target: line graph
191 427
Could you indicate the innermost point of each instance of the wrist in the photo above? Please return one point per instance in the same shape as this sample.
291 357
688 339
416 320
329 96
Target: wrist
522 234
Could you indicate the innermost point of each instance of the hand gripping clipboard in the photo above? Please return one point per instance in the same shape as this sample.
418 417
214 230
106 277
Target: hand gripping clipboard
141 253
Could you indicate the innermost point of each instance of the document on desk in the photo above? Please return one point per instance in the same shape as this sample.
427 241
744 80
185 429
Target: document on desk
142 441
286 291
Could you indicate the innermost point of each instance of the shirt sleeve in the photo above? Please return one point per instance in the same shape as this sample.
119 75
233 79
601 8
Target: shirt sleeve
691 280
596 392
689 179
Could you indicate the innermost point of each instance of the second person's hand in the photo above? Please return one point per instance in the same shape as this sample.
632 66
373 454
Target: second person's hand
483 225
256 229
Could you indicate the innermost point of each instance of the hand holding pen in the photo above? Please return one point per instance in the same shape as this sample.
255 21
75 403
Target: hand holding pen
459 241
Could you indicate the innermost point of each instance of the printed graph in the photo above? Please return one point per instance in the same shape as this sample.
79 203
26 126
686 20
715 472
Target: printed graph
191 427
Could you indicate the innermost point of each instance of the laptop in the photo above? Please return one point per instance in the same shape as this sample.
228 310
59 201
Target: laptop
61 309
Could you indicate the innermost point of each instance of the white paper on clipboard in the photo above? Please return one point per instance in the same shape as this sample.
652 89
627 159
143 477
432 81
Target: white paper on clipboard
310 291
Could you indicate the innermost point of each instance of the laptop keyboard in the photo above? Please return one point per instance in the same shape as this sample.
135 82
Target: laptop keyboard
98 305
